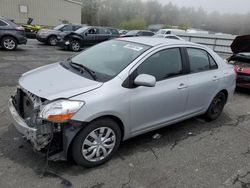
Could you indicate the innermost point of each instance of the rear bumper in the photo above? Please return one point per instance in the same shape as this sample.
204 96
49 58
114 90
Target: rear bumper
243 80
20 124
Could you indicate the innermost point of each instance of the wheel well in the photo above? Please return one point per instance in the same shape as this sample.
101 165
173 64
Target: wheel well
117 120
225 93
8 36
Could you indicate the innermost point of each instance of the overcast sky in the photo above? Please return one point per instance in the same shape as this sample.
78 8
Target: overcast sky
223 6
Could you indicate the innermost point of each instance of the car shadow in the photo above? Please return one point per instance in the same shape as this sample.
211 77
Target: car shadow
18 150
243 90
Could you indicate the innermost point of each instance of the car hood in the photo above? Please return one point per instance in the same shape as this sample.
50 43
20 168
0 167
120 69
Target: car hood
54 81
241 44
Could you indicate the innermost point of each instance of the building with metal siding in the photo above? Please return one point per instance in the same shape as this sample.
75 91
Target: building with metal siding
44 12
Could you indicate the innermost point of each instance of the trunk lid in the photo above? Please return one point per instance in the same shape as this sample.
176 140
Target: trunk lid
241 44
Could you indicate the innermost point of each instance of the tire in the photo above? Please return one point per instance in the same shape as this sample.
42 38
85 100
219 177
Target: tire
85 148
52 40
9 43
216 107
75 45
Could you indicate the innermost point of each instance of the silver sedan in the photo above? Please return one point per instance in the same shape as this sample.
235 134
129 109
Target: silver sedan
86 105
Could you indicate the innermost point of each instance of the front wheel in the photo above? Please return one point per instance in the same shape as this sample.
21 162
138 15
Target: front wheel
216 107
96 143
75 45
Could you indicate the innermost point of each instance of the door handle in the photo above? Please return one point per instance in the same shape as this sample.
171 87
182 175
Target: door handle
215 78
182 86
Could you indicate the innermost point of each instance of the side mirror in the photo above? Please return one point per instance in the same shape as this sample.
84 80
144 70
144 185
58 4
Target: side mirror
86 34
145 80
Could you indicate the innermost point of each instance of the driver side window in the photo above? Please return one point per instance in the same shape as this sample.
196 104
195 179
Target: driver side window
163 64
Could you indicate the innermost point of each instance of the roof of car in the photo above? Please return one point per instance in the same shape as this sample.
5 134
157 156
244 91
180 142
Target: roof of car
151 41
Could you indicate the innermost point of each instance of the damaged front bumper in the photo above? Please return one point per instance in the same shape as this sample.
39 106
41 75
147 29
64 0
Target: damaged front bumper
54 138
20 124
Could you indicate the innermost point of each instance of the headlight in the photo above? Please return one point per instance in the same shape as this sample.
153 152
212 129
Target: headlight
61 110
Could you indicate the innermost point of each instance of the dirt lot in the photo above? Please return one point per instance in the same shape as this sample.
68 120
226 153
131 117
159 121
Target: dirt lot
189 154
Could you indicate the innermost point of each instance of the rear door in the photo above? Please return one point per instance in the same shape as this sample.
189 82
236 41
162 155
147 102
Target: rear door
203 79
104 34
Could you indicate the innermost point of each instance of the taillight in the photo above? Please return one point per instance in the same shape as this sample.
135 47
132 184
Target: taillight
19 28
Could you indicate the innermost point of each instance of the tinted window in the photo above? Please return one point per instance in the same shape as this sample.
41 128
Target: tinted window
163 64
198 60
147 34
104 31
93 31
2 23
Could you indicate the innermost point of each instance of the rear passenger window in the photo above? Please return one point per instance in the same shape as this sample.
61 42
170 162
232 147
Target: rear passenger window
2 23
198 60
162 65
213 64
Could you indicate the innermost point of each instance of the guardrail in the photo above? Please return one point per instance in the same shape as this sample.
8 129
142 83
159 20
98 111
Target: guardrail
219 43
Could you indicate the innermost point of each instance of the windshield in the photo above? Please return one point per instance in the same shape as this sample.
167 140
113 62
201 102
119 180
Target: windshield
110 58
134 32
59 27
81 30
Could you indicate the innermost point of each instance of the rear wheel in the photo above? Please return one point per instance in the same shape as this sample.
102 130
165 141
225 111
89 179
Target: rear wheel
75 45
96 143
52 40
216 107
9 43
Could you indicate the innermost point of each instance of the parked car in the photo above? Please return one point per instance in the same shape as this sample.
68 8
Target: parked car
241 60
137 33
123 32
168 36
49 36
11 34
87 36
86 106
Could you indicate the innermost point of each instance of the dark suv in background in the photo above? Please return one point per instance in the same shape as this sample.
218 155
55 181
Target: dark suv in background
49 36
11 34
87 36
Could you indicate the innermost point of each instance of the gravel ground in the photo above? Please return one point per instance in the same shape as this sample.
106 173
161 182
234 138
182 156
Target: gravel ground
192 153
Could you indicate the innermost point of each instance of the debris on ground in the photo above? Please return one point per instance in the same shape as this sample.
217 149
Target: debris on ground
156 136
64 181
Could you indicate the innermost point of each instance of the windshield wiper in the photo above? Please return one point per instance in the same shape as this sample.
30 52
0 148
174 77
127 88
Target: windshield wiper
83 68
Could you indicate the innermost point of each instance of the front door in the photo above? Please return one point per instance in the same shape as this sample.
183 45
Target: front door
151 107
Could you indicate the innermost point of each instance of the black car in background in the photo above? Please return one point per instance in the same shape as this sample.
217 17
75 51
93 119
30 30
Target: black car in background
137 33
87 36
49 36
11 34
